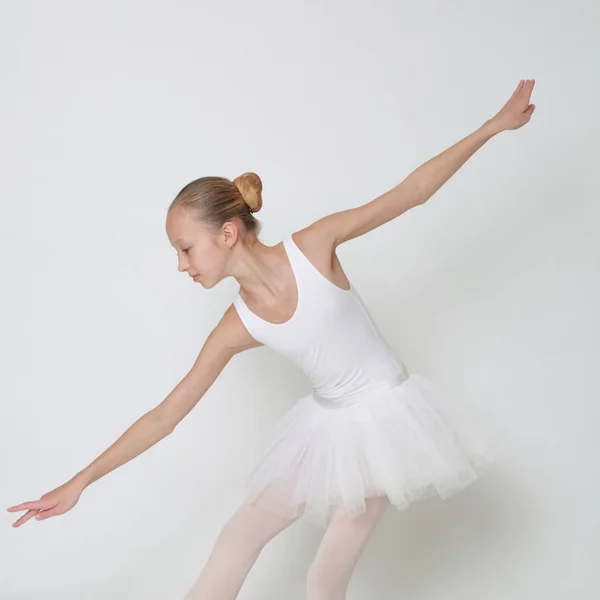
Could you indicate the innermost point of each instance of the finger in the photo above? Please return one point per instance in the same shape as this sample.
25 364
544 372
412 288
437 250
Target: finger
531 88
24 518
522 102
37 504
518 89
23 506
44 514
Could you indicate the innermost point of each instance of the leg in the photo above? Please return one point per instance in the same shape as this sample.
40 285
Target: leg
235 551
340 549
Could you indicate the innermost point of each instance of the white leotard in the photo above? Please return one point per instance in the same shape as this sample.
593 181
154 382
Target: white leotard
331 336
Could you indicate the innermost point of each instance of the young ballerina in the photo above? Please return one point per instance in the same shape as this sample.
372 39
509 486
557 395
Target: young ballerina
369 435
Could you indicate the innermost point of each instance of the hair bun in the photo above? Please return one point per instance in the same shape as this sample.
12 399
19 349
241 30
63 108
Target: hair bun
250 187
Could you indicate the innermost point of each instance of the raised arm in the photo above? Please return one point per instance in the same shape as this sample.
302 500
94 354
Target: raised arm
424 181
228 338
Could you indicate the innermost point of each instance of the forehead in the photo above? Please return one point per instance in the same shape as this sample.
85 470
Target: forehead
182 240
180 225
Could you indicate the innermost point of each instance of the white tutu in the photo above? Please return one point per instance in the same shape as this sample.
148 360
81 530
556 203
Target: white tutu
402 438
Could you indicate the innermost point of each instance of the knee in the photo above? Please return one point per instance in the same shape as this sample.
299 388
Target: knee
244 540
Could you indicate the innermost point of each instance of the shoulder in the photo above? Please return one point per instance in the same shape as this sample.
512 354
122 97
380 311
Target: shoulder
319 235
318 243
230 334
228 338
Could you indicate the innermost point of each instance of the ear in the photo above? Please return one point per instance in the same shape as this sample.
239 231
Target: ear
229 233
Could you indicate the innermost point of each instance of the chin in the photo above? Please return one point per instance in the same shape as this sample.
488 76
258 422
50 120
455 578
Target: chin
209 282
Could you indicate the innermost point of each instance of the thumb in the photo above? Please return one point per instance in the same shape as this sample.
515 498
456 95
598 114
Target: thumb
44 514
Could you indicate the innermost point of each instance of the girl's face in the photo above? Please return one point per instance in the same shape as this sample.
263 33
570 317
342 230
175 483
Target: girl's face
200 252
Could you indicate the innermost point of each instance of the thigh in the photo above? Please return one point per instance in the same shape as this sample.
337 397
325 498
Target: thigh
235 551
345 537
251 527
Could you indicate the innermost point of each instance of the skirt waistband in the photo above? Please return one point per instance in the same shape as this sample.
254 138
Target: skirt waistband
361 395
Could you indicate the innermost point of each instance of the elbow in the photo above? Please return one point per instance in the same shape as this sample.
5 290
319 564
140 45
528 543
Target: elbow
164 422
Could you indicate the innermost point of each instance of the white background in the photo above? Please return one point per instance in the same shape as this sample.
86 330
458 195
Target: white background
491 288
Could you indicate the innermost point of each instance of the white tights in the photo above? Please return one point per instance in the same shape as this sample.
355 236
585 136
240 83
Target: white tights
251 527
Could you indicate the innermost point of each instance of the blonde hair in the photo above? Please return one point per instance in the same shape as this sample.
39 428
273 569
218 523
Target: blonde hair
216 200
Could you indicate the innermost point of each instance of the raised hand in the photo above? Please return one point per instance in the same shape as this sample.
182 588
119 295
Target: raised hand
517 111
56 502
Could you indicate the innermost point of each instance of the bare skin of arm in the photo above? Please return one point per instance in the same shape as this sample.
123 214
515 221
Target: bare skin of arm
318 242
423 182
227 339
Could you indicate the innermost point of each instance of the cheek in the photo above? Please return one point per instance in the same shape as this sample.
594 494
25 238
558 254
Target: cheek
209 260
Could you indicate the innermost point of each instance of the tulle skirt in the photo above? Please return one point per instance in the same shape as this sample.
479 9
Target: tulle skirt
402 437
